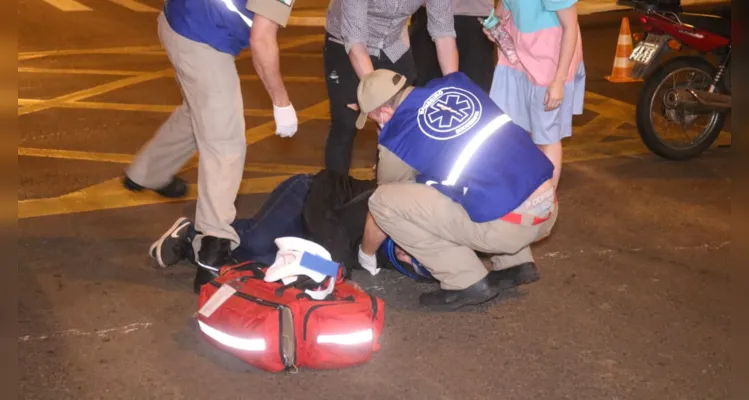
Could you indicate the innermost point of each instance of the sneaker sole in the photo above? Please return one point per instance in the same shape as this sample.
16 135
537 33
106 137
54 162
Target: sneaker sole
155 250
455 306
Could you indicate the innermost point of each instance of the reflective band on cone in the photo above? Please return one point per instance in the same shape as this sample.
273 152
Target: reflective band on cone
622 65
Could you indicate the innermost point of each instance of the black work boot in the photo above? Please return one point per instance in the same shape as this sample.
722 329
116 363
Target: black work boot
175 189
214 253
451 300
522 274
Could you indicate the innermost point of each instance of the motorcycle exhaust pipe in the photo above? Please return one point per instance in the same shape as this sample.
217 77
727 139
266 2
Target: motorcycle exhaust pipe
697 100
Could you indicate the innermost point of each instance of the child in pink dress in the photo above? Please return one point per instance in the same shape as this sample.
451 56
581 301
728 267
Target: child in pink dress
545 87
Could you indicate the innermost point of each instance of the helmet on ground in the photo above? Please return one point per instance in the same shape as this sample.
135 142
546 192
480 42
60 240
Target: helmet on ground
414 271
305 265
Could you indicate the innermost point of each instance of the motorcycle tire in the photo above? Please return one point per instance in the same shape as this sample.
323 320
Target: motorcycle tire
644 106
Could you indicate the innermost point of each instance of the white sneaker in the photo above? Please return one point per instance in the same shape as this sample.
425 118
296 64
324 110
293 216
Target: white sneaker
173 245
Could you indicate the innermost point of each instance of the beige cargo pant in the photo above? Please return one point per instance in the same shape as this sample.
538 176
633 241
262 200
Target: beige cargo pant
210 120
439 233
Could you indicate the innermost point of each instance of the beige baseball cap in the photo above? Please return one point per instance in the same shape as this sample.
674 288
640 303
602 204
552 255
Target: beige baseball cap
375 89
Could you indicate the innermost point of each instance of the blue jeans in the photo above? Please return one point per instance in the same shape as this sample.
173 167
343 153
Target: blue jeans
279 216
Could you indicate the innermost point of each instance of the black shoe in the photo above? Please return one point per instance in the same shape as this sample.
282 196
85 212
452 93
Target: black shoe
451 300
175 189
202 276
214 253
522 274
173 246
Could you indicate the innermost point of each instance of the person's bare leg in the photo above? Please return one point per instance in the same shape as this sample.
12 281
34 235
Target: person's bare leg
373 236
554 153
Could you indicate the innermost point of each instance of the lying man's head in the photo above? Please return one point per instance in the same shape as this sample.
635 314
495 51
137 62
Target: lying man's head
379 94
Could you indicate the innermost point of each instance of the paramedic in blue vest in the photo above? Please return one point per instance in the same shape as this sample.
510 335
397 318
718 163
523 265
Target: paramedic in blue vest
456 176
202 39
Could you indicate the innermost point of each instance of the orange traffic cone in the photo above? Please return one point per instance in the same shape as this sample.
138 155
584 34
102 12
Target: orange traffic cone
622 65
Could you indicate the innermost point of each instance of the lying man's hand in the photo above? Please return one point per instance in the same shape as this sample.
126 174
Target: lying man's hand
286 120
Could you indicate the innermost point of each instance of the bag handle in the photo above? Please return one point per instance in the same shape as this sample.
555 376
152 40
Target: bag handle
253 266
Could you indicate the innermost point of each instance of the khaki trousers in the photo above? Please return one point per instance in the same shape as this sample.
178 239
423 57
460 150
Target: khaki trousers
211 121
439 233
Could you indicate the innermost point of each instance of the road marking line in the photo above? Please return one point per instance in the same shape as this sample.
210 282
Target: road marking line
135 6
99 332
609 107
119 158
110 195
90 92
76 71
307 21
67 5
267 129
26 102
596 129
27 55
93 105
157 49
75 155
101 196
114 72
299 42
121 83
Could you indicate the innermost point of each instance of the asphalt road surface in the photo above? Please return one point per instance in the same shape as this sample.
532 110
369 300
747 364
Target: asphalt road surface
632 304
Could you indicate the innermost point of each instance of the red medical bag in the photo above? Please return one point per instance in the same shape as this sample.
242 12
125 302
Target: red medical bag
276 328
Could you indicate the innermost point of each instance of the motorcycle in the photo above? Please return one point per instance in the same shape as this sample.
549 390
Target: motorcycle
701 101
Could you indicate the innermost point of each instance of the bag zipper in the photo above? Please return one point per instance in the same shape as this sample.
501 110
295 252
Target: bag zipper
284 359
349 299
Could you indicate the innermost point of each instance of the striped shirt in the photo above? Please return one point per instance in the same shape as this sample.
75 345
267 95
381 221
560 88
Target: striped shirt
381 24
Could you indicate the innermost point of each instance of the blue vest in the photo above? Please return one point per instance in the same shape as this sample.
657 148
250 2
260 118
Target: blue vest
211 22
466 147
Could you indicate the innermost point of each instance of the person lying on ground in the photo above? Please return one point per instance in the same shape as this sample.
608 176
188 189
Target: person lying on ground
327 207
456 176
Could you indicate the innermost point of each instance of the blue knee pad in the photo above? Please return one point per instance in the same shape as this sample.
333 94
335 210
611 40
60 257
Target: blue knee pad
419 272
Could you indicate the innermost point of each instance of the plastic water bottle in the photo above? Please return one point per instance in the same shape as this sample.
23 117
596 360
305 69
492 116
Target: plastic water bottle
500 35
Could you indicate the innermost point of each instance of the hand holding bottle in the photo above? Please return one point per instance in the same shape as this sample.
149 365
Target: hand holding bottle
494 29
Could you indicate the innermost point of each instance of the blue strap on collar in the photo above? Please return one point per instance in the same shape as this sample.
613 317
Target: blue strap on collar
319 264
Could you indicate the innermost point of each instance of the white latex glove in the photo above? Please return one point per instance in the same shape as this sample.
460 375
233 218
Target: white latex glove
286 120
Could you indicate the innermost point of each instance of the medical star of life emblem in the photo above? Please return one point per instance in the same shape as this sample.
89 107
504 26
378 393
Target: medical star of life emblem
449 113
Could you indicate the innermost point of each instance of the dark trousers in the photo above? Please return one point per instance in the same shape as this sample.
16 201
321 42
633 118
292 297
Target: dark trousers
341 82
279 216
477 55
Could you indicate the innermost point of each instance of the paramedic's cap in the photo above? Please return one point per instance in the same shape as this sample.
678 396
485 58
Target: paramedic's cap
375 89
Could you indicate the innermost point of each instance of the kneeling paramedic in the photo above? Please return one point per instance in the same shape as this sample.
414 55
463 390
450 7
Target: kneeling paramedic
477 183
202 39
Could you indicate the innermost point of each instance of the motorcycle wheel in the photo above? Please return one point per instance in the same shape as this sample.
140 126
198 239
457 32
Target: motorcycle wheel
648 98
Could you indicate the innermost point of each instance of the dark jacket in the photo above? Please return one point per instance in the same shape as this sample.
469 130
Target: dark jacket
334 214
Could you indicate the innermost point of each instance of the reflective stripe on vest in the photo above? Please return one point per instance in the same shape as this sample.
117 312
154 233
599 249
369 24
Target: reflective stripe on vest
347 339
232 341
470 149
233 9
